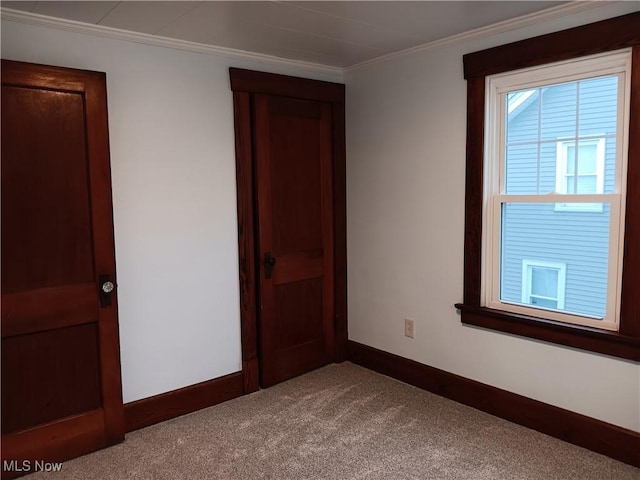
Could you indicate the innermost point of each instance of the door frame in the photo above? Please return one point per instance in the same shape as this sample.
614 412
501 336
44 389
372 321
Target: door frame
245 83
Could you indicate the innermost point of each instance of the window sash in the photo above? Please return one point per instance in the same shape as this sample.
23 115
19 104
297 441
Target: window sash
498 86
491 292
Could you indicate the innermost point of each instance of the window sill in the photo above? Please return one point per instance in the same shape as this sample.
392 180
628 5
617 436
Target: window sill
585 338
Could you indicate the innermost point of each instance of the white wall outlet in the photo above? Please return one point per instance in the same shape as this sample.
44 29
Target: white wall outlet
409 327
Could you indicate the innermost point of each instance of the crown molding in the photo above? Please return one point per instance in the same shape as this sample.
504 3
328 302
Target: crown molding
158 41
493 29
569 8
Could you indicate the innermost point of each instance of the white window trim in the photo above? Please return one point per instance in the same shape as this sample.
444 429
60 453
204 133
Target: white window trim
527 274
618 62
561 172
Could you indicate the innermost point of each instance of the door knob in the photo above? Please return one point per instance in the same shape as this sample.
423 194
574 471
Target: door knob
106 287
269 263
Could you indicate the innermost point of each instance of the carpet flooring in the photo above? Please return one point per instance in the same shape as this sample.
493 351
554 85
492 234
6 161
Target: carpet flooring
341 422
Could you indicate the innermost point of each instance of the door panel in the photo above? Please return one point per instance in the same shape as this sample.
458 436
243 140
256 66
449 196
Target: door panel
293 151
296 186
296 300
46 203
60 351
61 359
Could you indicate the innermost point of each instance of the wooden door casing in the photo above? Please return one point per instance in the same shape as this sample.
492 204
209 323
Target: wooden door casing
246 86
61 384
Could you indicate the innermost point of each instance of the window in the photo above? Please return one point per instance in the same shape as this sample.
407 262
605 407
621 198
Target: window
580 170
552 244
585 102
543 284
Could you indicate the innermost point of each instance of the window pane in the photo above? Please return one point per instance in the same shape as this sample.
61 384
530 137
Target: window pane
531 169
559 111
577 239
544 282
571 185
522 169
587 155
587 184
522 115
587 158
598 106
571 159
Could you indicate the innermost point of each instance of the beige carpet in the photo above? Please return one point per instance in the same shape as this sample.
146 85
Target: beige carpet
341 422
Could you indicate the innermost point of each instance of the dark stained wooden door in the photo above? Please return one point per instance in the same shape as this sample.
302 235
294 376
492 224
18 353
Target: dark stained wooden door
294 168
61 386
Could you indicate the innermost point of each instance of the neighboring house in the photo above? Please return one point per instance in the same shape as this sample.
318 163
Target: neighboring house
555 255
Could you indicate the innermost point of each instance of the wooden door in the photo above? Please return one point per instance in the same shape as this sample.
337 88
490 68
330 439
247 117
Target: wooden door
290 170
293 158
61 387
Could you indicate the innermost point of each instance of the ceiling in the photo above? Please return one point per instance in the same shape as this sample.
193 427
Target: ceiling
332 33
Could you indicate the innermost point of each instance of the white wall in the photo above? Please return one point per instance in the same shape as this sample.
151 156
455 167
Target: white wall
406 122
174 200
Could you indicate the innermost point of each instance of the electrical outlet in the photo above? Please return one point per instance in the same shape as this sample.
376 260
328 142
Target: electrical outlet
409 327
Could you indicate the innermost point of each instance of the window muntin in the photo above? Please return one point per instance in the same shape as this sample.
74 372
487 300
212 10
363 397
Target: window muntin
581 103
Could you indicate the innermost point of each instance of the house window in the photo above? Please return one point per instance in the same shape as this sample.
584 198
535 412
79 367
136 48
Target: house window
527 181
552 244
543 284
580 170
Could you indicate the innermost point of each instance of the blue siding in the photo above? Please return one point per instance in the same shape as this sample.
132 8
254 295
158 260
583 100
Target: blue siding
540 232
